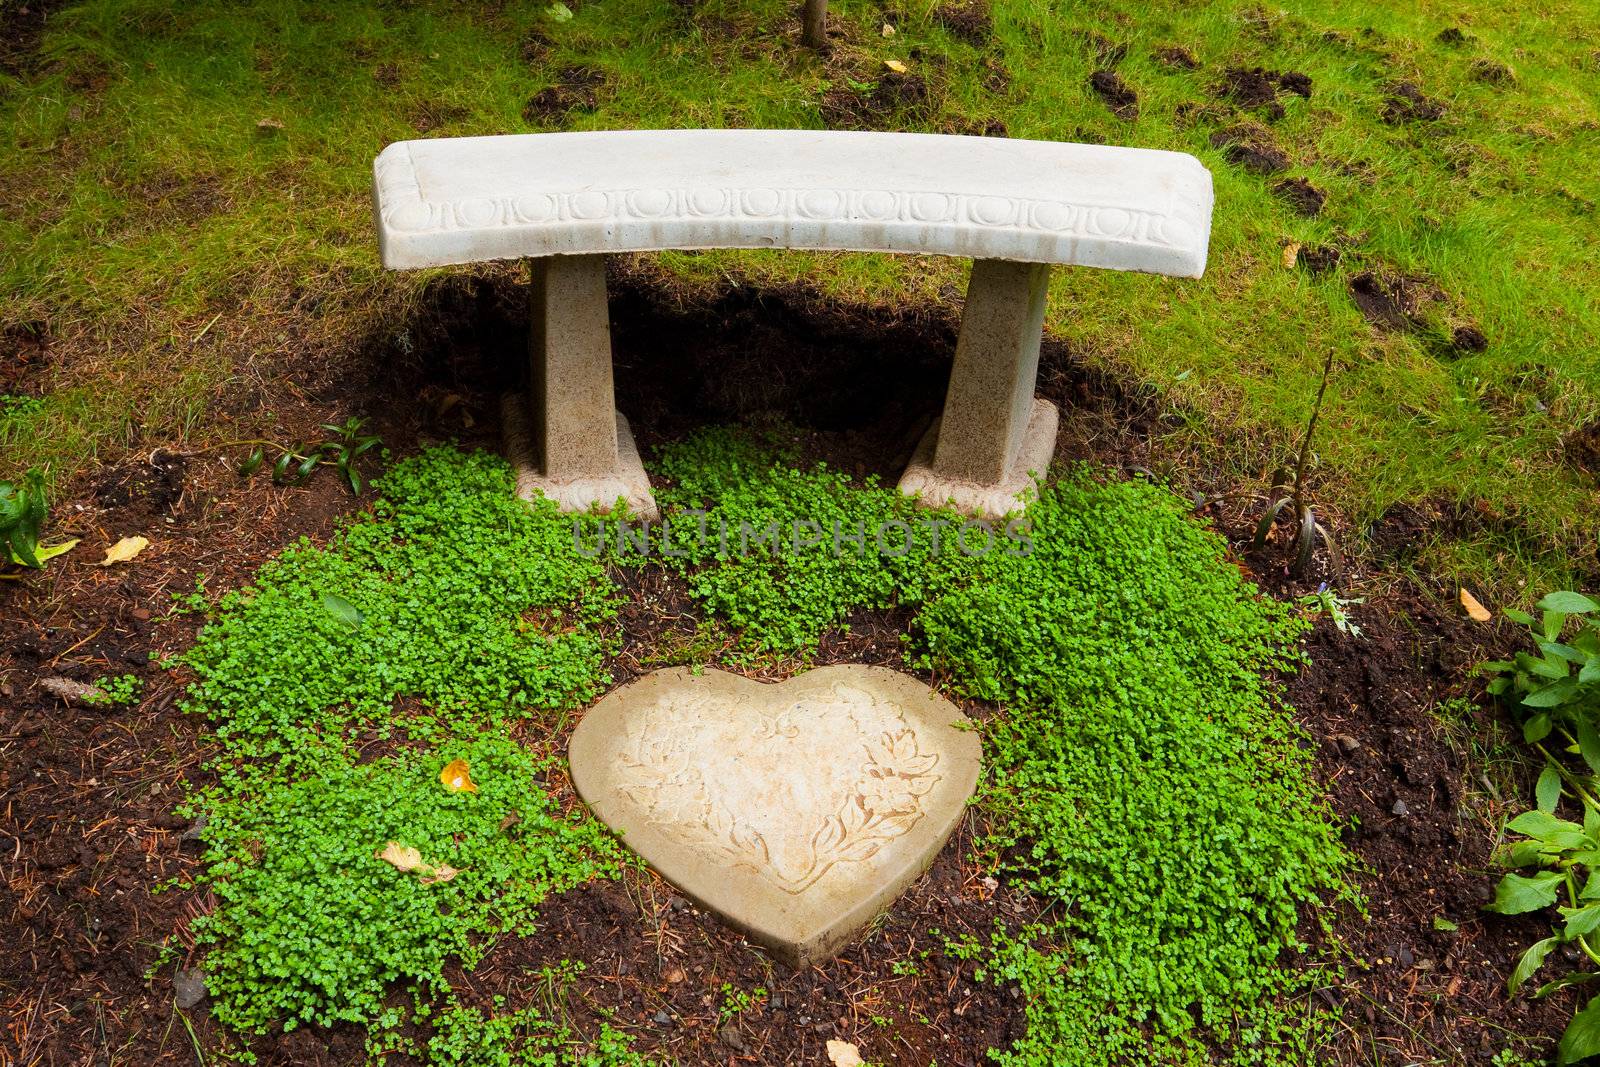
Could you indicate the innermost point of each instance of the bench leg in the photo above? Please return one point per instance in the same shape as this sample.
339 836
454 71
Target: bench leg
566 437
981 454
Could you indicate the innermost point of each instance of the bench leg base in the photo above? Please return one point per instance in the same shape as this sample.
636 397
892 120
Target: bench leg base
990 501
627 482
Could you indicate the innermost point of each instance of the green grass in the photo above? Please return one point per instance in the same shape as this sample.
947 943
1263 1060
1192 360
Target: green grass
171 242
138 176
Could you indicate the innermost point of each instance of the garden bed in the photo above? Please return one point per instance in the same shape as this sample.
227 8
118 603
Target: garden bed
1402 745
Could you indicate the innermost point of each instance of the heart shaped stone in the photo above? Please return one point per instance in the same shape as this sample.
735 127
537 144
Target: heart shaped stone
795 811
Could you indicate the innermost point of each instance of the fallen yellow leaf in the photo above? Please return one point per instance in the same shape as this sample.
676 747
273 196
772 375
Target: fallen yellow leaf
1475 610
1291 255
455 777
888 30
124 550
408 860
844 1054
895 65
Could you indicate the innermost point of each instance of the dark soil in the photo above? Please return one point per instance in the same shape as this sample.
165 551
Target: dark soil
1252 148
1392 302
1493 72
578 90
1306 199
1257 89
893 101
87 827
1109 86
1468 339
968 21
1582 447
1405 103
24 355
1177 57
1454 36
1319 259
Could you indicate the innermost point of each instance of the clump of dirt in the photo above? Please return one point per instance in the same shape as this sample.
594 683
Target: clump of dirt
968 127
1109 86
1492 72
430 115
1176 56
1392 302
968 21
1304 198
890 102
1468 338
151 485
534 46
1319 259
1581 447
387 75
1406 103
1251 147
1453 36
1257 89
24 354
577 90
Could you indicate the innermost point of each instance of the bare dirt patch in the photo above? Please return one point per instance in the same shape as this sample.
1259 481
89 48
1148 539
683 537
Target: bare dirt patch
1122 100
1251 147
1306 199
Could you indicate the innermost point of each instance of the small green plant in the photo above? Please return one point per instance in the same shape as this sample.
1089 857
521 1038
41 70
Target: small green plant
1337 608
344 451
120 690
526 1037
22 514
1306 527
735 1002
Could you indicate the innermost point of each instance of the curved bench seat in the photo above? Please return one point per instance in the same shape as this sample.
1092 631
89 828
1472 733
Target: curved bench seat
466 199
563 201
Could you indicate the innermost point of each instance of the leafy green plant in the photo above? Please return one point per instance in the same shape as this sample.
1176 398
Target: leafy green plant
343 452
121 689
22 514
1303 543
1565 859
1556 691
1556 696
469 1037
1337 608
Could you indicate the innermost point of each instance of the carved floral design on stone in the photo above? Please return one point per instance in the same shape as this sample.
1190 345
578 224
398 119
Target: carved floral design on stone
851 763
794 810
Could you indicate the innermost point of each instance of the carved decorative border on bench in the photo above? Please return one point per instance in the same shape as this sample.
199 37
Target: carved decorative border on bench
406 211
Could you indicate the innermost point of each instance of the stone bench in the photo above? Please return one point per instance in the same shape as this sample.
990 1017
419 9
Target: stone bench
565 200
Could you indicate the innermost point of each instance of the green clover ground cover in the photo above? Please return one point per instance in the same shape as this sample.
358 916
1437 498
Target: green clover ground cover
452 592
1145 780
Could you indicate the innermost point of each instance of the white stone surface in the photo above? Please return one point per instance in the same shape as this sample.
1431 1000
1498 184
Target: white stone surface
466 199
795 811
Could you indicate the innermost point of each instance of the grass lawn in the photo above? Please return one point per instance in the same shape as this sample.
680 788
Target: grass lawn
184 206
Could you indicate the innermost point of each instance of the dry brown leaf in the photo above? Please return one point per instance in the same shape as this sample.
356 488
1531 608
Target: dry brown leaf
844 1054
408 860
888 30
1475 610
895 65
456 779
124 550
1291 255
